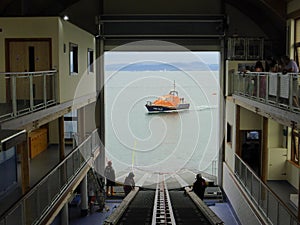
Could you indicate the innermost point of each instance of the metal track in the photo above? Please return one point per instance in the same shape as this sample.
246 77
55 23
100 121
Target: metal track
151 207
162 211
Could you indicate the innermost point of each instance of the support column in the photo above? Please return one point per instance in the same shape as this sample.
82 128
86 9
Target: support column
25 165
84 197
61 129
100 108
264 155
81 124
298 195
65 215
237 131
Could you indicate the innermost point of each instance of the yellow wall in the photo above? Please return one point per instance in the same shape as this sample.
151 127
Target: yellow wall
26 27
250 120
76 85
275 135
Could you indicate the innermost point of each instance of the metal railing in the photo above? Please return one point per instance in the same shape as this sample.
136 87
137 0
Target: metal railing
276 89
42 197
25 92
271 206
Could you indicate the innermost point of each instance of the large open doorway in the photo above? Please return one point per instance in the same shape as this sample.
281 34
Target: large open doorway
169 142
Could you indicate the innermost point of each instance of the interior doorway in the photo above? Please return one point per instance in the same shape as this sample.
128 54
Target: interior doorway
27 55
251 149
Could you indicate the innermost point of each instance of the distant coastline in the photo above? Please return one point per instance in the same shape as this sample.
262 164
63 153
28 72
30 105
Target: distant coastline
153 66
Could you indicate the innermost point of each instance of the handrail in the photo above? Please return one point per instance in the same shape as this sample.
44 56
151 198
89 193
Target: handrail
276 89
266 188
34 72
61 168
27 92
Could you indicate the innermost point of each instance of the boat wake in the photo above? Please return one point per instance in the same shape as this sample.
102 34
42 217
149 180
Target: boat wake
203 107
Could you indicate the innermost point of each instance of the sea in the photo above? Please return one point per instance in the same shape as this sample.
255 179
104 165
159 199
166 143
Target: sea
162 142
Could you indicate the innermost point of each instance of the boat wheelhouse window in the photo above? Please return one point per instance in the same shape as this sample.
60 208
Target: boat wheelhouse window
174 93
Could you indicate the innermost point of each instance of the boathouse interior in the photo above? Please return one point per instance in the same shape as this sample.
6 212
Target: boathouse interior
52 62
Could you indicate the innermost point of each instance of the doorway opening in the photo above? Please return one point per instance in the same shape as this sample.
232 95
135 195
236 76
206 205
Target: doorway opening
168 143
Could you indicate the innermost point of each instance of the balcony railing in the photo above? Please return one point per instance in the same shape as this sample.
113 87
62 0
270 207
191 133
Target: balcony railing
274 210
41 198
25 92
276 89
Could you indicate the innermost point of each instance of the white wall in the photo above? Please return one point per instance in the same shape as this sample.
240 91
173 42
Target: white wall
84 83
230 147
237 199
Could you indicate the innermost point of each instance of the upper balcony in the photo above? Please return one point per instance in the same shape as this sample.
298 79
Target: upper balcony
46 61
274 94
27 92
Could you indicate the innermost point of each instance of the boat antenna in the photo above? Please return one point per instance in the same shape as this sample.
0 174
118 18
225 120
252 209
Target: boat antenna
174 85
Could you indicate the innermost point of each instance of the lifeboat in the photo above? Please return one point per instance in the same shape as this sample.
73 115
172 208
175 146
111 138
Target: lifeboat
167 103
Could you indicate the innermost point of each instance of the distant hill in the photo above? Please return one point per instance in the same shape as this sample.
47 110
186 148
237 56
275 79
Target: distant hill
152 66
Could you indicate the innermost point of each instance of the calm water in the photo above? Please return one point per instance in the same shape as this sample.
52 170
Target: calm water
164 142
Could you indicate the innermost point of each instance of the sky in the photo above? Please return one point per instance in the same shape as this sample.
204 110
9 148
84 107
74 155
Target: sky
116 57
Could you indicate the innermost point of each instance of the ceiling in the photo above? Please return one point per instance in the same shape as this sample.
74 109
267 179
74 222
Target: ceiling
269 15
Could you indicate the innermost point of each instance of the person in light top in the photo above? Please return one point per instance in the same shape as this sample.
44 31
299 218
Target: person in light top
109 173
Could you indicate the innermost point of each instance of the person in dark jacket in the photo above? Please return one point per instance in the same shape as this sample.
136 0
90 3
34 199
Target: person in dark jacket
199 186
129 183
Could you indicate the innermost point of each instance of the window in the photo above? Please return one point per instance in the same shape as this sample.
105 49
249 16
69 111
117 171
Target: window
70 125
90 59
295 146
229 134
73 59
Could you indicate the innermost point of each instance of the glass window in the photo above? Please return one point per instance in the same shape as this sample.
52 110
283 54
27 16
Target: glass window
229 133
73 53
90 58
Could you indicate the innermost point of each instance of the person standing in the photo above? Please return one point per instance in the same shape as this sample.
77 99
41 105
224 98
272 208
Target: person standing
129 183
109 173
199 186
290 65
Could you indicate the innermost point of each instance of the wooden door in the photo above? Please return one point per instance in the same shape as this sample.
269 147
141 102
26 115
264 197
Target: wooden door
28 55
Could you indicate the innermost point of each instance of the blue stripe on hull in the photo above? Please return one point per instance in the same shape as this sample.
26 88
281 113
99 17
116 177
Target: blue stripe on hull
154 108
